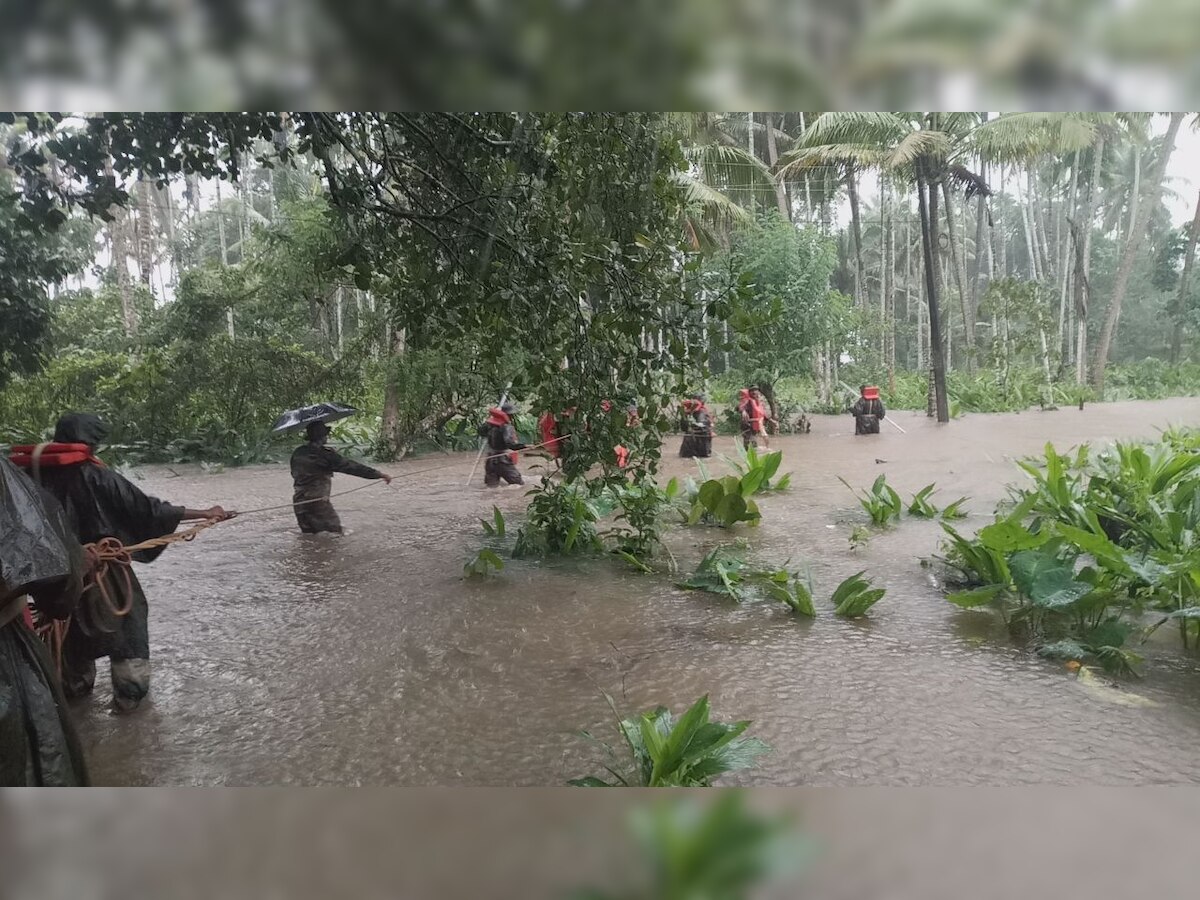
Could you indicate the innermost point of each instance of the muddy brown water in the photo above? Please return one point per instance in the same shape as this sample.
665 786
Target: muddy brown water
366 659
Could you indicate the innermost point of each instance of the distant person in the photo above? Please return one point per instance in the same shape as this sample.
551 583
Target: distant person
502 444
868 411
100 503
753 417
697 428
39 557
313 466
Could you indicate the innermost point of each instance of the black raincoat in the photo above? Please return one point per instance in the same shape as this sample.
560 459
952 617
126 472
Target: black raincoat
698 436
867 415
101 503
38 557
313 468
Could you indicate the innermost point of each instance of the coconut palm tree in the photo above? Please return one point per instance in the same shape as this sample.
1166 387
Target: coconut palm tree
921 149
1129 254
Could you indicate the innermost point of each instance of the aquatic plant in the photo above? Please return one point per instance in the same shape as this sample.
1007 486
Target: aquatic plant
854 596
496 527
793 591
757 469
920 506
691 751
561 519
881 502
724 571
954 510
726 502
482 563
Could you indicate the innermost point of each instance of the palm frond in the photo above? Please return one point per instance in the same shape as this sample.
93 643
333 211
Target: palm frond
834 128
917 144
861 156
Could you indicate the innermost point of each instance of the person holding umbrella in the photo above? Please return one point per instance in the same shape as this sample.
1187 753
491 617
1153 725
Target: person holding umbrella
313 465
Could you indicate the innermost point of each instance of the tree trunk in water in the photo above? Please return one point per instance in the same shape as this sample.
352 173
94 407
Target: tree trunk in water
860 279
1189 258
959 280
1129 256
1083 283
773 157
928 212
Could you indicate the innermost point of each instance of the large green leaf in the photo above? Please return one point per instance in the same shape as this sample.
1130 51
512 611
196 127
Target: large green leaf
710 495
1009 537
978 597
731 509
1028 566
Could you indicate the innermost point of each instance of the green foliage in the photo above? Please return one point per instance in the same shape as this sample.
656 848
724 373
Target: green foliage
496 527
954 510
881 502
561 519
722 571
920 506
854 596
482 564
757 469
692 751
725 501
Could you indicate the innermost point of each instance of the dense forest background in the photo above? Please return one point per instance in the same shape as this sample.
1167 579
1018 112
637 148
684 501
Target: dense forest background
189 277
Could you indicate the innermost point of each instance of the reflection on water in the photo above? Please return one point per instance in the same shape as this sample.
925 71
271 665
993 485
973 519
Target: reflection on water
366 659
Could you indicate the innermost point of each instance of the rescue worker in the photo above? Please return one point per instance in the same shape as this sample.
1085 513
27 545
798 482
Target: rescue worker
753 417
313 466
868 411
502 444
100 503
698 429
39 557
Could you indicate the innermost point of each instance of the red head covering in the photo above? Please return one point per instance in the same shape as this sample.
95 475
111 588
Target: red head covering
497 416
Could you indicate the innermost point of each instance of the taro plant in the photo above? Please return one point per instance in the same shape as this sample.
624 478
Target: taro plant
793 591
954 510
920 506
483 563
691 751
723 571
881 502
760 468
854 596
726 502
495 528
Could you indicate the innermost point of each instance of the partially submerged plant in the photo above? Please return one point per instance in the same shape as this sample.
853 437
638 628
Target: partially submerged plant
724 571
761 468
920 506
881 502
690 751
482 563
854 596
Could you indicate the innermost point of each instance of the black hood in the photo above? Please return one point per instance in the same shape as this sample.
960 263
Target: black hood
80 428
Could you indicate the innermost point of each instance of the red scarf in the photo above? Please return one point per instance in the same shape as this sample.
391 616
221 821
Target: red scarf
52 455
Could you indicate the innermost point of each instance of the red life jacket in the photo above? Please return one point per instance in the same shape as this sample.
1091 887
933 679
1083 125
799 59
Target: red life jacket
52 455
549 430
622 456
497 416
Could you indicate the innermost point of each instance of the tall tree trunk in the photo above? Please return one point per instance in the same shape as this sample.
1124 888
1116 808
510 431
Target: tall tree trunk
889 286
1030 240
1001 237
807 191
1064 268
927 198
120 258
959 280
1083 277
390 424
144 230
1129 256
1181 297
773 157
861 300
1136 192
750 149
224 255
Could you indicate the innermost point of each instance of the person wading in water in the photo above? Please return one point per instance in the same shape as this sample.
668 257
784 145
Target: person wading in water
868 411
100 503
502 444
39 557
313 467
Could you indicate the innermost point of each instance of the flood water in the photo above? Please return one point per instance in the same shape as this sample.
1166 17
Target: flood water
367 659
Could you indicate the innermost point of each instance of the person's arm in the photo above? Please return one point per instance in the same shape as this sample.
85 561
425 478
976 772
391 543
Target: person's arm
213 512
339 463
882 411
510 439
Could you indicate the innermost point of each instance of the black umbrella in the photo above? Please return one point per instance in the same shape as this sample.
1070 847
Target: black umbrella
306 415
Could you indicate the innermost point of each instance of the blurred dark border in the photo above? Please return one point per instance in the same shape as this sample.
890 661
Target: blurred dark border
610 54
890 843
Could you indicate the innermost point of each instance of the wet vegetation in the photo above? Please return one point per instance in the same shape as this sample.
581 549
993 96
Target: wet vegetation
1094 554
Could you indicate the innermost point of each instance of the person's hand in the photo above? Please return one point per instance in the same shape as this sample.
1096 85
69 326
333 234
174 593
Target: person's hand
387 479
218 513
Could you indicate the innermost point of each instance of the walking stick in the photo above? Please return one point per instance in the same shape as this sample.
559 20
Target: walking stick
894 425
483 441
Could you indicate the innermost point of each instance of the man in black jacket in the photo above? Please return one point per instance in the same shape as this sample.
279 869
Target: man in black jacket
313 466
